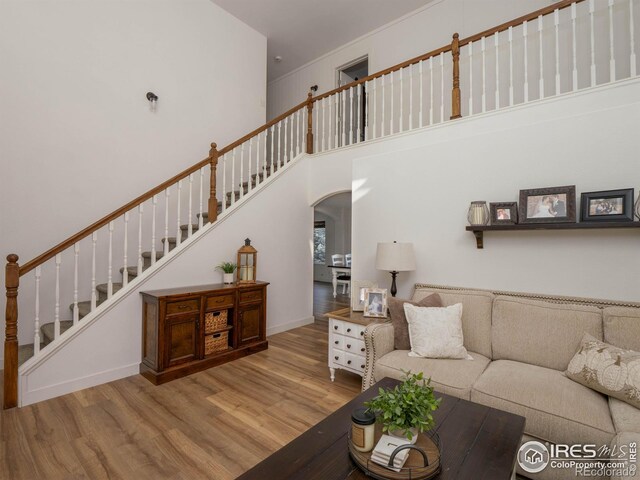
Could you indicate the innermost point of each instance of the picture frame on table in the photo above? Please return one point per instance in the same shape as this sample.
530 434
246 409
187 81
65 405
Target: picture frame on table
607 206
548 205
358 288
375 302
504 213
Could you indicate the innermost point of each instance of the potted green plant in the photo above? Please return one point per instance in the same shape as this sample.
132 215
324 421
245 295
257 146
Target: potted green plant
407 409
227 268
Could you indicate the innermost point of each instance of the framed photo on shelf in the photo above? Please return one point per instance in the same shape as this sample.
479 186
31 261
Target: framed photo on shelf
504 213
375 302
548 205
358 288
607 206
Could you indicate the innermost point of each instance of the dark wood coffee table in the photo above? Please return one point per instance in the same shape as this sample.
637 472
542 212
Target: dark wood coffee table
478 442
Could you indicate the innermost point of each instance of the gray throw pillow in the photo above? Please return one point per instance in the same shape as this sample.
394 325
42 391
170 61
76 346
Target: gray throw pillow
399 320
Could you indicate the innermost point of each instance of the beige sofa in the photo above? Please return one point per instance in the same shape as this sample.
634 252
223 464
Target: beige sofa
521 345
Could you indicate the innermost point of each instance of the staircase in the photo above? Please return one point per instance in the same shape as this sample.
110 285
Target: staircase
423 92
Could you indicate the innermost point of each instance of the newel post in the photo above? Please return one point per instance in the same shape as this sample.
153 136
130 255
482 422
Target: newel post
455 94
12 280
213 201
310 123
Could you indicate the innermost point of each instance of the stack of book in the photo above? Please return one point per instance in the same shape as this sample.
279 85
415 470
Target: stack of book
385 447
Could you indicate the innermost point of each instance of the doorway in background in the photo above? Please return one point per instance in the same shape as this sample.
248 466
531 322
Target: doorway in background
352 104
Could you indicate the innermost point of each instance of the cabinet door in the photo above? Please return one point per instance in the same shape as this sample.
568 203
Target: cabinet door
250 323
181 336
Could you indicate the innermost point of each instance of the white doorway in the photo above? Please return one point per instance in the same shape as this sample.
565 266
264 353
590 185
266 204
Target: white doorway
352 104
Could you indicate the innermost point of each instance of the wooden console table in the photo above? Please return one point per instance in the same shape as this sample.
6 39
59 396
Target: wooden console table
177 339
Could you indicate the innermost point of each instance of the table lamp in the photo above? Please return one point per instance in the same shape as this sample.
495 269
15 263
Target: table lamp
395 257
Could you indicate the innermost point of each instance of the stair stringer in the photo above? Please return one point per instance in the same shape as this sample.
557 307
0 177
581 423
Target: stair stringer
35 385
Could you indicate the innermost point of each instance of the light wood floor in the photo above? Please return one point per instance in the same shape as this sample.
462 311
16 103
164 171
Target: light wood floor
214 424
323 301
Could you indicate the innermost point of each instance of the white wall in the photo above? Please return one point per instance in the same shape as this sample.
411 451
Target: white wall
422 31
110 347
418 186
77 138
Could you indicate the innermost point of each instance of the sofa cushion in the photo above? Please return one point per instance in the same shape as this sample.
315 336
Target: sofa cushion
622 327
453 377
541 333
399 319
476 314
557 409
626 418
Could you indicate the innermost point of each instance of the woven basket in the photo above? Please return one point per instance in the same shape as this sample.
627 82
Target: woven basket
215 321
218 342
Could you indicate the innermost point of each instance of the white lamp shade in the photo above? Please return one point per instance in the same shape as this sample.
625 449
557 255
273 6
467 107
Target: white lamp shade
395 256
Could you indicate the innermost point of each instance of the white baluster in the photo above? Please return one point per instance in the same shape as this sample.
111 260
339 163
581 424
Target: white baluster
430 90
242 168
166 220
366 110
94 299
391 117
541 75
178 229
612 58
351 139
375 108
336 108
632 56
264 152
323 105
496 43
420 116
383 107
441 87
299 134
343 125
316 136
286 129
140 260
110 263
250 179
359 113
233 176
556 24
291 137
200 219
592 9
470 47
279 157
401 122
189 214
484 76
510 66
76 252
56 323
411 97
154 205
574 48
273 141
36 324
526 60
125 247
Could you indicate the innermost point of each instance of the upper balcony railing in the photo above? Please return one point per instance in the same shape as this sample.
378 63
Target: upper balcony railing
561 48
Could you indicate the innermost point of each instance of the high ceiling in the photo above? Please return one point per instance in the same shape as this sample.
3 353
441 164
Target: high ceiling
302 30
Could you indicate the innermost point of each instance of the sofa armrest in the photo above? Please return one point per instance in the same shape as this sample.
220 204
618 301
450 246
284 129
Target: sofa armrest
378 341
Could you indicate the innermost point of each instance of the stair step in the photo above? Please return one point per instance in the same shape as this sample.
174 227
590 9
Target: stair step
102 290
48 329
25 352
237 192
132 271
84 308
146 257
172 242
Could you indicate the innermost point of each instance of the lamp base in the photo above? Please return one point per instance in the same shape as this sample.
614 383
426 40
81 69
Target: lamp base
394 289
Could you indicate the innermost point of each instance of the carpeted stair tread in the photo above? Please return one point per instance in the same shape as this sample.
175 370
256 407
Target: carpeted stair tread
132 271
48 329
103 287
159 255
25 352
84 308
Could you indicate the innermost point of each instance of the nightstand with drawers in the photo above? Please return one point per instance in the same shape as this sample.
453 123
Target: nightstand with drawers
346 340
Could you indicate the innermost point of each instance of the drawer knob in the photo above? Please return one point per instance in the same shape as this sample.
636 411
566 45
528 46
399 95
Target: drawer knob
362 349
362 333
182 307
361 366
348 362
348 330
336 357
336 342
335 327
348 346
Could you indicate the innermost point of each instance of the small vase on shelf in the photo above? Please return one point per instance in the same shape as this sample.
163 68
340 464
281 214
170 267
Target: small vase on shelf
637 207
478 213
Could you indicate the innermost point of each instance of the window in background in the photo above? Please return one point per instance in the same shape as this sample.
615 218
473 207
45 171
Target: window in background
319 242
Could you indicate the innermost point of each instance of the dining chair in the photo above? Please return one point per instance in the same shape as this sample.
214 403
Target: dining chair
343 278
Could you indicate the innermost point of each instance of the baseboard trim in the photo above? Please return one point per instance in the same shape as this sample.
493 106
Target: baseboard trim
27 396
288 326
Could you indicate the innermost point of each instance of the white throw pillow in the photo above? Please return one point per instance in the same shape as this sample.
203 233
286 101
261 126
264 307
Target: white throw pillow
436 332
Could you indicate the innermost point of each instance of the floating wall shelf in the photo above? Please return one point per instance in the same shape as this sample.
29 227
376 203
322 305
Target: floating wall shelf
478 230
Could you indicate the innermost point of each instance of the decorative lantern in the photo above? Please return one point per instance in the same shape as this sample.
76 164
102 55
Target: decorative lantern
478 213
247 260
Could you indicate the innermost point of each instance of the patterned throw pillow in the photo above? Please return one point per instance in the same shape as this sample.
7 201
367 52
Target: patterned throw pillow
607 369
